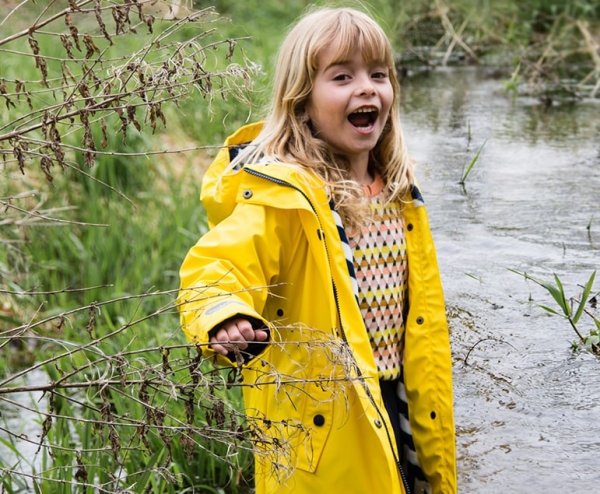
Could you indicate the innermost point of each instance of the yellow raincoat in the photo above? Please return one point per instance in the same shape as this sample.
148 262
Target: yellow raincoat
273 255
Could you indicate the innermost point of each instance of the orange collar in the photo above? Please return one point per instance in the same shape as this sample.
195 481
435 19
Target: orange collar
374 187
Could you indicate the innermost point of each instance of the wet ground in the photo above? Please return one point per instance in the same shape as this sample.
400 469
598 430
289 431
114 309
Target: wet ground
527 408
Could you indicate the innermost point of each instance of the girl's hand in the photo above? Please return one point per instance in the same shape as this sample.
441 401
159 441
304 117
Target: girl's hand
236 333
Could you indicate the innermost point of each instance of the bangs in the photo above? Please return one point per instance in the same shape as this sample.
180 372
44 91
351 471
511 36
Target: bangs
350 34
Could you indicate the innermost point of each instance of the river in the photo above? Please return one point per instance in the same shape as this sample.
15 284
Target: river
527 407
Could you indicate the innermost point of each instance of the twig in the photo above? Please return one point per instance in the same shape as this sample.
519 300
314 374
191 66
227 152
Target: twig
449 28
133 382
89 344
48 218
54 292
37 25
482 341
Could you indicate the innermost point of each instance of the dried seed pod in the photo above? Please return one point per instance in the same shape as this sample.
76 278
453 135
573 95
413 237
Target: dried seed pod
40 62
89 155
91 325
100 21
74 6
124 121
119 19
19 87
67 45
90 47
104 131
46 165
19 152
4 93
81 474
131 117
73 30
166 367
149 19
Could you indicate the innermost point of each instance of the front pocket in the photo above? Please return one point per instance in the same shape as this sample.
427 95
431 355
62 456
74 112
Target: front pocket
317 422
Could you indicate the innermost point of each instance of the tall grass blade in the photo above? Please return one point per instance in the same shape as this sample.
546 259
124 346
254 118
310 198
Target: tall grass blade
562 302
142 483
550 310
472 163
584 298
558 295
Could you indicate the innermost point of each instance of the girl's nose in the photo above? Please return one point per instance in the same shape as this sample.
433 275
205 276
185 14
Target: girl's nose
365 87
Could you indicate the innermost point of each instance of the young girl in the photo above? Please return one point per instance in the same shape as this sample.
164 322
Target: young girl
319 278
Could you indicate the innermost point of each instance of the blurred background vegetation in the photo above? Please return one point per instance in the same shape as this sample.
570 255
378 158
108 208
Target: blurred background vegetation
88 251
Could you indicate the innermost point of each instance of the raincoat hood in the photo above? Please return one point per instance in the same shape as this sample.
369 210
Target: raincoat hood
221 182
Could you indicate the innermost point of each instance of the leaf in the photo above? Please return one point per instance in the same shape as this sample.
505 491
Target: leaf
592 342
584 298
9 444
558 295
149 470
471 164
563 303
550 310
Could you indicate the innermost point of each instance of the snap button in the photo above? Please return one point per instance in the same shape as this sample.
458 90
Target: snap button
409 227
420 320
378 423
247 194
280 312
318 420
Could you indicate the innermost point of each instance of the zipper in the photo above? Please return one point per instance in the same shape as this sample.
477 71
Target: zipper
339 314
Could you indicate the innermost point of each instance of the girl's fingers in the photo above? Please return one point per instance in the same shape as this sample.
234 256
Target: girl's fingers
218 348
245 329
236 334
260 335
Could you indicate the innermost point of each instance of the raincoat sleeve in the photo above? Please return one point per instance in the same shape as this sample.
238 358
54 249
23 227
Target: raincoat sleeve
228 272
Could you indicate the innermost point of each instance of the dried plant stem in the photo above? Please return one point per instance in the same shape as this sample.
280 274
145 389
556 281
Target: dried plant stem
453 35
593 48
36 214
39 24
53 292
87 345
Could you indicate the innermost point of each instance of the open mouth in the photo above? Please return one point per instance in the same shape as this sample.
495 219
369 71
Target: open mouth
363 117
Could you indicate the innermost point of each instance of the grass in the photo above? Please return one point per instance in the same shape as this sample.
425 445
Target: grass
469 168
88 286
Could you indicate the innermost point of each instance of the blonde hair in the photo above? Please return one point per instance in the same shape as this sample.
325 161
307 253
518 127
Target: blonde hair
287 133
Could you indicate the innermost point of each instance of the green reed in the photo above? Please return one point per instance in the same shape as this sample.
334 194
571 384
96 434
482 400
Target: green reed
573 309
469 167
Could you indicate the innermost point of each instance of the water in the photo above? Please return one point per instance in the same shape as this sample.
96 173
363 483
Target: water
527 408
21 417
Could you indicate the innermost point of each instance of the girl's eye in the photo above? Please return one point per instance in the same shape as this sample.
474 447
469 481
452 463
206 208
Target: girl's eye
341 77
379 75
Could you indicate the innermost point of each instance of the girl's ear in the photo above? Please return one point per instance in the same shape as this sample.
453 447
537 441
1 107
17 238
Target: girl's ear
302 115
308 122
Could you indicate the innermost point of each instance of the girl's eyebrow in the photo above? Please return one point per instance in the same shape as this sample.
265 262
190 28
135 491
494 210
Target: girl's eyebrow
374 63
336 63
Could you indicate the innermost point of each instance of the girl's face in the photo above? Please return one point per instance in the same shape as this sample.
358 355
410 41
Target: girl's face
349 106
